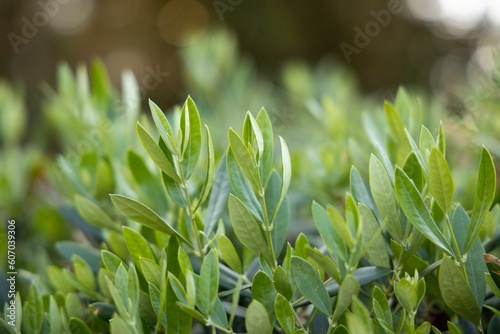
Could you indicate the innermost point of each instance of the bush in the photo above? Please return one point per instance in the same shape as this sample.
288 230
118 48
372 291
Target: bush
197 237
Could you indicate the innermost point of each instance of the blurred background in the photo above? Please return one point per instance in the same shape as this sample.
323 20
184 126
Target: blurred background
439 46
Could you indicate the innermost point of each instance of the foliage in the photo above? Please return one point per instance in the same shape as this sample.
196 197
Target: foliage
177 230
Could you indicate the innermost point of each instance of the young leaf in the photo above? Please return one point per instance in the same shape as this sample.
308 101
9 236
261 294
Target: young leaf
382 309
33 311
266 161
156 154
282 283
246 228
161 123
245 161
191 141
475 265
373 239
137 245
140 213
208 284
84 273
307 280
485 193
257 320
93 214
263 291
332 239
348 289
441 183
286 172
282 213
383 194
151 271
229 254
456 292
242 188
217 201
417 213
210 176
284 313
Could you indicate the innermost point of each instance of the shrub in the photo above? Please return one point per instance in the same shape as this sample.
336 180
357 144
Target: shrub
213 249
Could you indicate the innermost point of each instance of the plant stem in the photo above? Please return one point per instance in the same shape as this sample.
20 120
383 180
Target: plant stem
457 248
189 209
268 229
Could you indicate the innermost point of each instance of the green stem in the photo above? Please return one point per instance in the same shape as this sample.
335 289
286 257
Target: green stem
268 229
189 209
457 248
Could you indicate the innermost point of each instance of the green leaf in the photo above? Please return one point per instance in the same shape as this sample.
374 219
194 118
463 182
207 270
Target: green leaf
208 284
191 141
229 254
266 161
332 239
140 213
218 316
456 292
417 213
412 168
383 194
493 265
282 283
360 191
156 153
395 125
133 291
245 161
178 321
286 171
210 176
373 239
217 201
492 285
178 289
174 190
161 123
382 309
278 216
93 214
33 311
77 326
485 194
284 314
308 282
56 324
242 188
151 271
474 264
84 273
263 291
348 289
440 180
257 319
416 150
137 245
252 135
110 260
246 228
